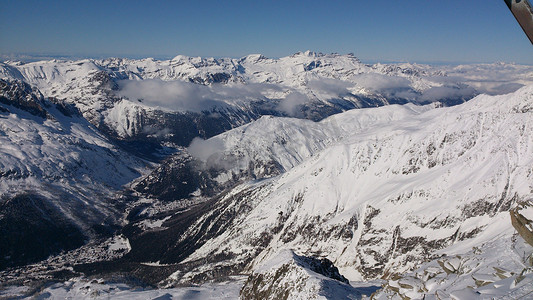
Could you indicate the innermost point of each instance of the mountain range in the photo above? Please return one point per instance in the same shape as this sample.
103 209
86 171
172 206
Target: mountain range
299 177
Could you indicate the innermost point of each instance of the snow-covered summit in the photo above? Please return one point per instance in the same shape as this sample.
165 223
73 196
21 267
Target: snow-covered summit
292 276
199 92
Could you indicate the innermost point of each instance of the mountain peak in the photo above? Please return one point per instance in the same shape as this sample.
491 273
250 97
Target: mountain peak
254 58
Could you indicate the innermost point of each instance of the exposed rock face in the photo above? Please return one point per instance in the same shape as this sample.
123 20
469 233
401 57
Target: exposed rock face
522 220
501 268
177 178
498 269
20 95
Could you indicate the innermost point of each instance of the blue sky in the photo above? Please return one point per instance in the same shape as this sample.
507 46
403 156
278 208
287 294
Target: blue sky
432 31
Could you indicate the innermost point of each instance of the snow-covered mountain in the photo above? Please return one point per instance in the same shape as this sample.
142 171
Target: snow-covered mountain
290 276
421 195
376 191
58 174
173 101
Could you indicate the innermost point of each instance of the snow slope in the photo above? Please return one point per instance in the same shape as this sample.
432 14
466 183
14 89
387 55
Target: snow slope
81 288
289 276
498 269
55 168
287 142
382 200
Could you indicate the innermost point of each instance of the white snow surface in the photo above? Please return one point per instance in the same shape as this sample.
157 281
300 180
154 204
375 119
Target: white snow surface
428 176
498 269
81 288
287 274
64 159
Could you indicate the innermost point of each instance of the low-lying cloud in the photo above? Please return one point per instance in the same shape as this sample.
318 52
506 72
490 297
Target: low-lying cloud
329 88
401 88
381 83
186 96
211 153
205 150
492 79
446 92
446 83
292 103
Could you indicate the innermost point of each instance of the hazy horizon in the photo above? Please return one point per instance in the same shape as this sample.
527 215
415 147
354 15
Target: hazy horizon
449 32
33 57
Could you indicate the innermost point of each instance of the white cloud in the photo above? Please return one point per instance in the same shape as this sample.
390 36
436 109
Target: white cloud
185 96
173 95
205 149
291 104
492 79
446 92
328 87
382 83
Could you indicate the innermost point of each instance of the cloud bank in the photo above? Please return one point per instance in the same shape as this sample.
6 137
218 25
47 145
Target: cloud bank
204 149
292 103
186 96
446 83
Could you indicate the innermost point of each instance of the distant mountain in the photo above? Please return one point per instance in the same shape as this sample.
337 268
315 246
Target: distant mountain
171 102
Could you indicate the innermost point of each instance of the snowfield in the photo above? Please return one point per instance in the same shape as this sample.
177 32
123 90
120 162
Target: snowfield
81 288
